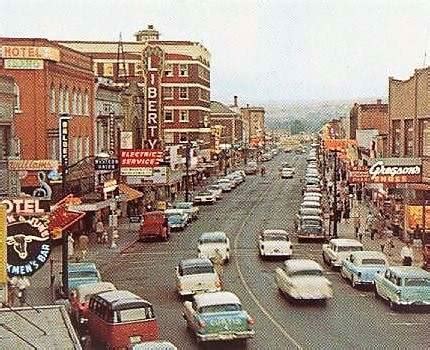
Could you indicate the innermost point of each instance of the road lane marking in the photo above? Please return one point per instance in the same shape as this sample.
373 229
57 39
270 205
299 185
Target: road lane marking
245 284
407 323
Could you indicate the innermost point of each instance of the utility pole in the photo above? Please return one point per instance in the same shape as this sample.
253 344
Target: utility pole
335 197
187 170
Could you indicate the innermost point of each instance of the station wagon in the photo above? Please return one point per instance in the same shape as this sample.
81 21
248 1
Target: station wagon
339 249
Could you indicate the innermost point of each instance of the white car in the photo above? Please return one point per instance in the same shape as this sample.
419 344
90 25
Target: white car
188 208
210 241
203 197
196 276
339 249
311 198
286 173
310 204
215 189
154 345
174 211
225 184
303 279
312 194
275 243
235 179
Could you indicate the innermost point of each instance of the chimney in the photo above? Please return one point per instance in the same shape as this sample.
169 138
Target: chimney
247 105
378 101
235 101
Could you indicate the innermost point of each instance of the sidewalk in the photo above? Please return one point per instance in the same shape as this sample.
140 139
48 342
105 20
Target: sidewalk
346 230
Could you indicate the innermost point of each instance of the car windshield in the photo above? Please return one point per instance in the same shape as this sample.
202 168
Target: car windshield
275 237
372 261
183 206
311 229
307 273
349 248
175 218
82 274
417 282
194 270
212 240
220 308
204 194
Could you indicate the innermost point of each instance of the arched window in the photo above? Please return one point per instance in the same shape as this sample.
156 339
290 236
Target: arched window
52 99
17 98
85 103
61 100
66 100
73 101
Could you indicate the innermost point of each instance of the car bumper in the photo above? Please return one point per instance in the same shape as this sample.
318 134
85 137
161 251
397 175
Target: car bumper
201 201
282 253
312 296
226 336
185 292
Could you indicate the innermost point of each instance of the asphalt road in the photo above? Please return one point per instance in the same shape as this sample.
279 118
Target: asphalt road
353 319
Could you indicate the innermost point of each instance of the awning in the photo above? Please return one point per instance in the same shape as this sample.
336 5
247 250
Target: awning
131 193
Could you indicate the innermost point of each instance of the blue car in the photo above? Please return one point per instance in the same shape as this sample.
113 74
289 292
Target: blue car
361 267
404 286
178 221
83 273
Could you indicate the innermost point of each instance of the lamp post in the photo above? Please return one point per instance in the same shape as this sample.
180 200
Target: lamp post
335 213
187 169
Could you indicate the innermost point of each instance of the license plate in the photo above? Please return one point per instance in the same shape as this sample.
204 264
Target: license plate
135 339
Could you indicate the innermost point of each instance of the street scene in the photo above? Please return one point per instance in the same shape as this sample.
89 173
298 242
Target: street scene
158 190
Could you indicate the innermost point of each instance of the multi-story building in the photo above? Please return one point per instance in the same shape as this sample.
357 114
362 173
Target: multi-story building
230 121
49 79
174 82
253 119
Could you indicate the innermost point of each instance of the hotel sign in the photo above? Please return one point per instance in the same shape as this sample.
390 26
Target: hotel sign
31 52
153 61
23 64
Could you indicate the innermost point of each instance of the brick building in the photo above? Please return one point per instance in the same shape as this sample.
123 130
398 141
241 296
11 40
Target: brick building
230 121
181 83
50 79
409 115
253 119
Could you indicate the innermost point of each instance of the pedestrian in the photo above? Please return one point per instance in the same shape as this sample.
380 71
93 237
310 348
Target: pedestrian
357 223
99 231
407 254
263 170
12 292
358 193
389 245
347 210
396 225
360 235
83 246
218 262
70 246
21 284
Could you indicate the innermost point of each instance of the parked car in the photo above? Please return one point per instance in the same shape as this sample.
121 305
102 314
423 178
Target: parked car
235 179
210 241
309 212
339 249
218 317
154 345
216 190
240 173
181 212
189 208
196 276
310 228
80 297
404 286
286 173
266 157
178 221
313 181
204 197
225 184
275 243
251 168
155 225
310 204
361 267
312 194
79 274
303 279
312 188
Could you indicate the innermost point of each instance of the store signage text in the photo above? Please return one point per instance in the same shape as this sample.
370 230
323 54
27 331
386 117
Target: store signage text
22 206
23 64
380 169
31 52
64 143
105 164
32 165
141 158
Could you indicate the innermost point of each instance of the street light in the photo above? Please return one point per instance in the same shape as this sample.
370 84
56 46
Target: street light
335 213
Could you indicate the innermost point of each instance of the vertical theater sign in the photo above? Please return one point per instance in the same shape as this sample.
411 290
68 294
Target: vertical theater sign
153 63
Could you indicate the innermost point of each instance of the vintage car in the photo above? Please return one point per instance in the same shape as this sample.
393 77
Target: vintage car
310 227
309 212
218 316
196 276
210 241
266 157
311 198
154 345
236 178
251 168
177 221
303 279
310 204
225 184
404 286
189 208
339 249
312 181
361 267
307 193
275 243
204 197
240 173
286 173
80 297
155 225
216 190
312 188
83 273
181 212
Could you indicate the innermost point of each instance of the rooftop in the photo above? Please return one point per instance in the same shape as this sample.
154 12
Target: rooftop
220 108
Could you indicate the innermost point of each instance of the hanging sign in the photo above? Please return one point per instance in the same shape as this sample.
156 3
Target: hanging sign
395 170
64 142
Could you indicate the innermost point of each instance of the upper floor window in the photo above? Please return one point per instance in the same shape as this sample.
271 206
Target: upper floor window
183 116
60 100
168 116
52 99
17 98
183 93
79 103
66 100
168 70
74 98
85 104
183 70
167 93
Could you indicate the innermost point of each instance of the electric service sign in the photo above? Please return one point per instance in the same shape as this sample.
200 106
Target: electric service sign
28 239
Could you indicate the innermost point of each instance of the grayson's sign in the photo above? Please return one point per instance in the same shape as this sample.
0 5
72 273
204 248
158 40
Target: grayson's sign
381 172
153 58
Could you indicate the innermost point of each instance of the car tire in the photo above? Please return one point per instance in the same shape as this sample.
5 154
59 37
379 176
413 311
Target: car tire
375 291
353 283
393 306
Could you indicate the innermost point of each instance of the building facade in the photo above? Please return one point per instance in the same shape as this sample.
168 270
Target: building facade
175 73
253 119
230 122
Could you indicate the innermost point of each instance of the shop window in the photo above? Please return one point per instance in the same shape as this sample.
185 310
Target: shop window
183 93
85 104
79 103
66 107
74 109
17 98
409 138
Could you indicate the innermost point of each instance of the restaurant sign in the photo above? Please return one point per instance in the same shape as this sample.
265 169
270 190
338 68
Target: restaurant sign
396 170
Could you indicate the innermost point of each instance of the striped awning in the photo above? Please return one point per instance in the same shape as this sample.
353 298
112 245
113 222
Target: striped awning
130 193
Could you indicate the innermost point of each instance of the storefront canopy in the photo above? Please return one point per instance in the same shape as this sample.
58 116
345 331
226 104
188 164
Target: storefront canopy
130 193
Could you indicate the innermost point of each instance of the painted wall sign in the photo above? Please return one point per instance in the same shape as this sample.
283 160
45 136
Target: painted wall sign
31 52
44 191
22 64
64 142
153 63
28 245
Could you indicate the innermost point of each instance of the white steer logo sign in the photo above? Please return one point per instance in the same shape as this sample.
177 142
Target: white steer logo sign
28 246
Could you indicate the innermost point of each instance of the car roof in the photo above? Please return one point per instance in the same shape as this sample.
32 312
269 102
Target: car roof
121 298
154 345
369 254
84 266
216 298
346 242
94 288
195 262
213 234
271 231
302 264
410 271
311 217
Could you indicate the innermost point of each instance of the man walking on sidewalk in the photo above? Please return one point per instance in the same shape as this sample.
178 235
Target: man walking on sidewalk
407 254
357 224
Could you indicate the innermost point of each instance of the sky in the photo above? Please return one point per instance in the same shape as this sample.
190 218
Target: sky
262 51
